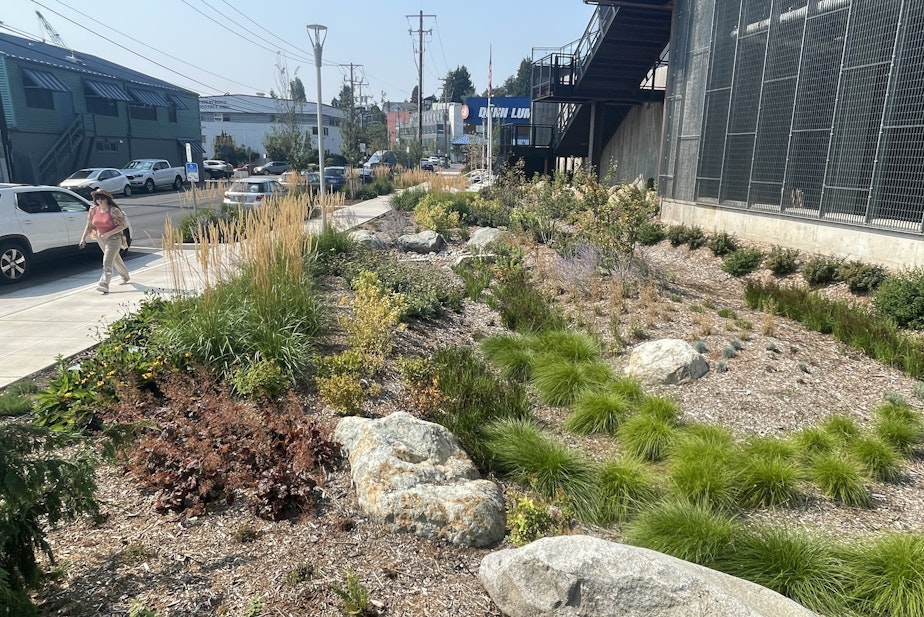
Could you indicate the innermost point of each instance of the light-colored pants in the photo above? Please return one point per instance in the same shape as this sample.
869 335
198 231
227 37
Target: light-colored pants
111 257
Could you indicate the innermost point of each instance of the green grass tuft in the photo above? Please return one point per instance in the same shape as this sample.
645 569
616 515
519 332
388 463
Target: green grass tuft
802 566
663 409
510 354
598 411
769 447
887 576
840 479
880 460
625 486
523 452
16 400
646 436
700 468
766 479
814 441
559 381
843 428
686 531
899 426
567 344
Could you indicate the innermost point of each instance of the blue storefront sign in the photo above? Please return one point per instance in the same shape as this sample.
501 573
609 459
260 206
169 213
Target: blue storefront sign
504 110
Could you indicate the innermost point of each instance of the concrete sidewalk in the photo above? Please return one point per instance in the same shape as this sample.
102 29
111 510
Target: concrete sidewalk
67 316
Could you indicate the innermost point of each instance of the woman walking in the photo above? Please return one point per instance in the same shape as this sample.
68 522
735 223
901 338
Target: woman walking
106 222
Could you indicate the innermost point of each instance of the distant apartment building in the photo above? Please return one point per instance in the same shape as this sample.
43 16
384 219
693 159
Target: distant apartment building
248 119
62 110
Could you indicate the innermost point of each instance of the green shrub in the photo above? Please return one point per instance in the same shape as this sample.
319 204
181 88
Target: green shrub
522 307
722 244
16 400
651 233
886 576
41 485
435 212
843 428
695 238
487 213
819 271
781 261
476 276
840 479
677 234
861 278
559 380
687 531
742 262
530 519
804 567
625 487
407 200
354 595
262 378
901 299
567 344
700 469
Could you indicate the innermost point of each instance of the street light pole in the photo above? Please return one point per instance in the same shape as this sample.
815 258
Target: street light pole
317 41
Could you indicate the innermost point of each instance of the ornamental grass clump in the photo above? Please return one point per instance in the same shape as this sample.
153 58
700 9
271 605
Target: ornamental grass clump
510 354
624 487
900 426
765 479
700 468
526 455
840 479
646 436
887 576
599 411
842 428
559 380
688 531
879 460
567 344
804 567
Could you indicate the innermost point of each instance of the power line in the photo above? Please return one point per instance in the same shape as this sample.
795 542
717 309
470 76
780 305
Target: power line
142 43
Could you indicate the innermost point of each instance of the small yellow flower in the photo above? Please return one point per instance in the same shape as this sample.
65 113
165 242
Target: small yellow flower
68 394
187 355
100 383
110 373
148 375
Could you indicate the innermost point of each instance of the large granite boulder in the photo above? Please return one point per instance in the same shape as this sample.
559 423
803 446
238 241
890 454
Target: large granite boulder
414 477
577 576
427 241
666 361
367 238
482 238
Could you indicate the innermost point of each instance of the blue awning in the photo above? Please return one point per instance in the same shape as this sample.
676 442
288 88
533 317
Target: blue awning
46 80
148 97
108 91
193 144
177 101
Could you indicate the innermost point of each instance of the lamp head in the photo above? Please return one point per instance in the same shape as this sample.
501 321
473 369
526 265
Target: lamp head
320 34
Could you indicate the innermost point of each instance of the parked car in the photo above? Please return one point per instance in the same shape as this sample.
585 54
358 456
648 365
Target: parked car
246 168
444 162
213 168
380 159
85 181
271 168
39 223
154 173
334 178
426 164
250 192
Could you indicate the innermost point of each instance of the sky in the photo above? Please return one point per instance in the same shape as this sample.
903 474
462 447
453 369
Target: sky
234 46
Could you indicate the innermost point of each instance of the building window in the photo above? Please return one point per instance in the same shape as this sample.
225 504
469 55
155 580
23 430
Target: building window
314 131
222 117
39 98
138 111
100 106
107 146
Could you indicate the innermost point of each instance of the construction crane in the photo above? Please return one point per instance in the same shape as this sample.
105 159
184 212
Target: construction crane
55 37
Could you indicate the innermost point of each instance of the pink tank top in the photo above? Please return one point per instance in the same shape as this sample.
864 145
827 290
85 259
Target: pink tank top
102 221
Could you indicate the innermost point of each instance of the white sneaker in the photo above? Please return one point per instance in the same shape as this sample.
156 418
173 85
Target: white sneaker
102 288
126 281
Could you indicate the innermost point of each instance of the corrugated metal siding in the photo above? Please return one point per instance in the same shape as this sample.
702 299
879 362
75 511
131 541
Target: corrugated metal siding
5 94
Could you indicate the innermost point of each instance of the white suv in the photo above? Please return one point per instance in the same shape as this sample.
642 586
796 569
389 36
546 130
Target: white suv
38 222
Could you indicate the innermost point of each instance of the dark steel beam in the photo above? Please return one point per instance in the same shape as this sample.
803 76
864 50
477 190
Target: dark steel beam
628 4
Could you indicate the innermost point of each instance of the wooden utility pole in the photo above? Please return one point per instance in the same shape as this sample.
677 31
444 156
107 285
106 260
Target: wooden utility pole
420 50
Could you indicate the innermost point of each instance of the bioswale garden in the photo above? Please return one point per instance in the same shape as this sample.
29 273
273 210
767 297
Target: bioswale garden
185 466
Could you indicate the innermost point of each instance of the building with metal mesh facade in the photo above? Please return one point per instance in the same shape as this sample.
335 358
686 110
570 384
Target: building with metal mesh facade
798 109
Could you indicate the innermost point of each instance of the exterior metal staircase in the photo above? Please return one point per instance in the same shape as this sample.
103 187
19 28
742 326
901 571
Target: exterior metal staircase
63 155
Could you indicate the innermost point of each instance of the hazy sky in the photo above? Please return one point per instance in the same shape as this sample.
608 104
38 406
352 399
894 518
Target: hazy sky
219 46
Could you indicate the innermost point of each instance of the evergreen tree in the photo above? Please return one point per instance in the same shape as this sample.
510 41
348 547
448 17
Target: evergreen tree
458 85
297 90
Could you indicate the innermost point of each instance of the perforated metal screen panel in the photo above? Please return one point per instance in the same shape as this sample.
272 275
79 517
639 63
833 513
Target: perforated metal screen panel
810 108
